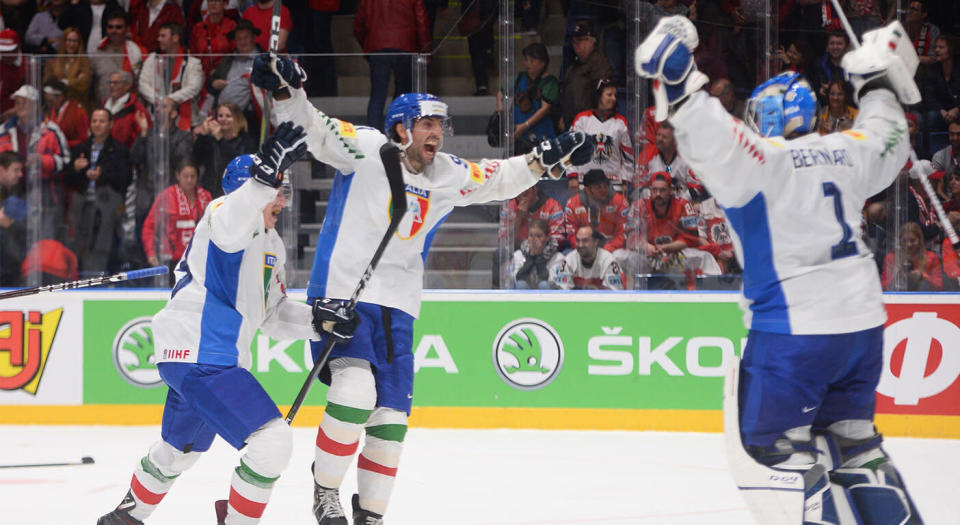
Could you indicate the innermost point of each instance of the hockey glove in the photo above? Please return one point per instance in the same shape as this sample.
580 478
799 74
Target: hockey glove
276 74
277 153
885 59
573 148
331 316
666 56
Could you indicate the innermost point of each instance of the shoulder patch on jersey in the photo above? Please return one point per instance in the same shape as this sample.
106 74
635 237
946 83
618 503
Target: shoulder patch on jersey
346 130
857 135
346 135
476 174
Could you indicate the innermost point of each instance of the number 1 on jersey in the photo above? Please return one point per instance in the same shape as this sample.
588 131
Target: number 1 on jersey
846 247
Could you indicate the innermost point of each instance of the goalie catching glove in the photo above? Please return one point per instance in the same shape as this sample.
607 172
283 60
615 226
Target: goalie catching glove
885 59
276 74
573 148
277 153
666 56
332 317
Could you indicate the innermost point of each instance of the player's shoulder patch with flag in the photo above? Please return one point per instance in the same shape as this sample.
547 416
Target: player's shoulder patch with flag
346 135
857 135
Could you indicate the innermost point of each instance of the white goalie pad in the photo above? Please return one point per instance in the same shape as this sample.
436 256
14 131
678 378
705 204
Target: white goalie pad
774 496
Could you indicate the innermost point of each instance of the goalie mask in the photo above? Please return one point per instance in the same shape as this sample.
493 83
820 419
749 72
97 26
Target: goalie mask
409 107
783 106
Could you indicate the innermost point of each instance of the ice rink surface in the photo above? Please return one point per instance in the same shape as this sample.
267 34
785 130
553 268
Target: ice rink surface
456 477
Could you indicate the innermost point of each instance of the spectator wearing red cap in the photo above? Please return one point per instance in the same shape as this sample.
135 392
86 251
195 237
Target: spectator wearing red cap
148 16
210 40
260 14
600 207
13 70
672 238
913 129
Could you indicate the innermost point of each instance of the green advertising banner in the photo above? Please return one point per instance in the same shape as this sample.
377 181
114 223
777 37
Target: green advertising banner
562 354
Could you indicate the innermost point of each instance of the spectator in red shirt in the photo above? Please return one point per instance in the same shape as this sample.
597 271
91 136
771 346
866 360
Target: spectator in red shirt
124 105
13 70
913 267
209 40
532 204
68 114
148 16
390 27
673 238
260 14
169 226
599 207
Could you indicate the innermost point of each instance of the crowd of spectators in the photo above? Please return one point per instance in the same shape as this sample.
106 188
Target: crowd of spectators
120 77
647 208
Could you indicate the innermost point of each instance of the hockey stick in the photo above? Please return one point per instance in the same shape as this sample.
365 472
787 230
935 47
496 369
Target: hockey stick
85 460
274 48
924 181
390 156
94 281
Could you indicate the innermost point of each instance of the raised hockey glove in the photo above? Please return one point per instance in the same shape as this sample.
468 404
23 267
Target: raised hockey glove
331 316
885 59
573 148
276 73
277 153
666 56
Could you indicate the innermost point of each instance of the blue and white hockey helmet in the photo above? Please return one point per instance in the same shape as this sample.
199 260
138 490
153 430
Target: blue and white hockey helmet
409 107
237 172
782 106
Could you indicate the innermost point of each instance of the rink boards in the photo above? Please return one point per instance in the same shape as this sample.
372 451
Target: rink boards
563 360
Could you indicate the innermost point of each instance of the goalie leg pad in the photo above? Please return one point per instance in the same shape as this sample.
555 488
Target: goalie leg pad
863 468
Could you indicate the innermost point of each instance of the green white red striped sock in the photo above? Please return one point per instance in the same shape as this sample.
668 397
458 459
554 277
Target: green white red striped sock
380 458
249 494
148 486
338 438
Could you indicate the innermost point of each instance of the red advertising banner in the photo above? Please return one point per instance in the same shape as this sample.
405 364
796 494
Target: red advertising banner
921 355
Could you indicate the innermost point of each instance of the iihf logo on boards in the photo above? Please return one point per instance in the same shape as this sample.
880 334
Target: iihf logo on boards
133 354
528 354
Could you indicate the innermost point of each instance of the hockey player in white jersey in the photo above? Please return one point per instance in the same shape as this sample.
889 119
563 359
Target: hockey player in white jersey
230 282
371 376
799 421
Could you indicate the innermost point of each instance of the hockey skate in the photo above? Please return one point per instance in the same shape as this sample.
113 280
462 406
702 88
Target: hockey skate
220 507
326 506
364 517
119 515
